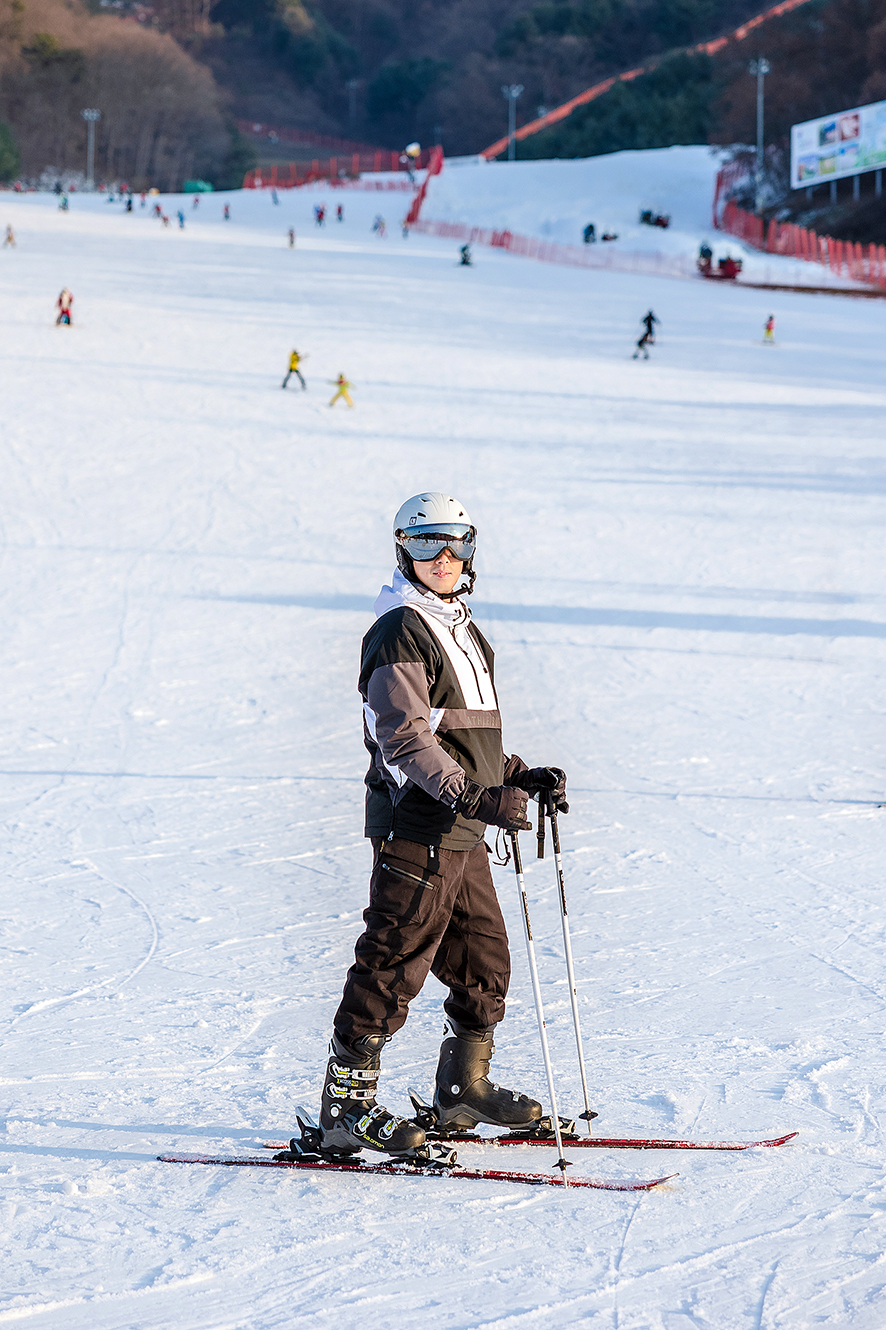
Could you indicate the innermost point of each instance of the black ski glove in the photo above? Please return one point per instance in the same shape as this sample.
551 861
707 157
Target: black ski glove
502 806
544 778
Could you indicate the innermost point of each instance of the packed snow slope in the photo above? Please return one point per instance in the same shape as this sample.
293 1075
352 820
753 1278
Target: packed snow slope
555 200
680 567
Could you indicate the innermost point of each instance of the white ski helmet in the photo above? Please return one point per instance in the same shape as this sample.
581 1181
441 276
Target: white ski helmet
429 514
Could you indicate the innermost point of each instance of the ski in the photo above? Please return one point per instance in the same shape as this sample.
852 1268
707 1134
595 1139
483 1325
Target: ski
407 1170
592 1142
432 1160
542 1133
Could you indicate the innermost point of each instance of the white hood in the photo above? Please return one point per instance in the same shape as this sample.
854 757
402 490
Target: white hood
451 613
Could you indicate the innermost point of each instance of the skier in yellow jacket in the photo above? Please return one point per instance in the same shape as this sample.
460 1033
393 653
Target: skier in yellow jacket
294 361
343 387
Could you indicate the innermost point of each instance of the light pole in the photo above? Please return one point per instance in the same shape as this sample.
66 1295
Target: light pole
90 116
759 68
512 92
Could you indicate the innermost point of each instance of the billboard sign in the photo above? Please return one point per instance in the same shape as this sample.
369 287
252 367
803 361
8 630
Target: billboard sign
838 145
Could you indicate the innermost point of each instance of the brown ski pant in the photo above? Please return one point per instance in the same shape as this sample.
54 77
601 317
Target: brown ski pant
429 910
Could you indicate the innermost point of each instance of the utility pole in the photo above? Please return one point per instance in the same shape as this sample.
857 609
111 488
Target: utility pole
512 92
759 69
90 116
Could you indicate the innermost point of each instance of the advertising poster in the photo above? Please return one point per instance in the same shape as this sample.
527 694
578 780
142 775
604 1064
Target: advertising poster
838 145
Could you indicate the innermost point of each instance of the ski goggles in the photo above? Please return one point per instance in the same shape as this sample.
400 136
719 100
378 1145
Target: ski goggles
422 545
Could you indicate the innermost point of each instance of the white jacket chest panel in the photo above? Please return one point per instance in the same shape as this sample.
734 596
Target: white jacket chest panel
467 663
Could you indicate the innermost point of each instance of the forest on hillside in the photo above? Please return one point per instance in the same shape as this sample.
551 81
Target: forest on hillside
172 77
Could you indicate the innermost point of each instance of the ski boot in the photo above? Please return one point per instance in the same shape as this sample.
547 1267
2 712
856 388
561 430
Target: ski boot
464 1095
350 1118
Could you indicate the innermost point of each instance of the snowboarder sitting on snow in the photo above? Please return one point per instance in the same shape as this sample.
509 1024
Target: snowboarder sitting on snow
344 390
437 779
64 303
295 360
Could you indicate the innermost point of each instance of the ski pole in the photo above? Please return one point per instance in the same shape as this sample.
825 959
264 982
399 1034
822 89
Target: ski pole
567 947
562 1163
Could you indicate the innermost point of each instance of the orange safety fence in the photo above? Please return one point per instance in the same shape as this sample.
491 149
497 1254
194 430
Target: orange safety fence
337 170
844 258
605 257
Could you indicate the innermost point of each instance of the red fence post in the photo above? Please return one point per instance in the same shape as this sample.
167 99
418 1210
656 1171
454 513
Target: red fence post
355 164
333 168
377 166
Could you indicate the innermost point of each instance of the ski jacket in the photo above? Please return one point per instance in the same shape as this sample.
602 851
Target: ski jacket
430 717
294 360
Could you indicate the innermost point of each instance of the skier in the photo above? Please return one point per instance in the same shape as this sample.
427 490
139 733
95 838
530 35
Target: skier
590 234
295 360
227 212
292 237
181 220
378 226
437 778
648 339
340 213
196 203
64 303
466 259
10 238
344 390
768 330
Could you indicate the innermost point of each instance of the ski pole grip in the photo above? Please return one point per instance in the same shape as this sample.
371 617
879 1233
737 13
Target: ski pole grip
540 834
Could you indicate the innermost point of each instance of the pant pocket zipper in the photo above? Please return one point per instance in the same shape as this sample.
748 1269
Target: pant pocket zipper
399 872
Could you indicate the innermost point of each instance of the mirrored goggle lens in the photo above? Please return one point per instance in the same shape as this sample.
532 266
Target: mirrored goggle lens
424 545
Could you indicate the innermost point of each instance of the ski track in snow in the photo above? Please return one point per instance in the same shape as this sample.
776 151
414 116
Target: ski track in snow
680 568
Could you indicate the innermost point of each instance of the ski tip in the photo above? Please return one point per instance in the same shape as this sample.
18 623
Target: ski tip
782 1140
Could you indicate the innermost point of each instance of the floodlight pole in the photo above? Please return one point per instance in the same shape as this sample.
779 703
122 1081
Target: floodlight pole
90 116
512 92
759 68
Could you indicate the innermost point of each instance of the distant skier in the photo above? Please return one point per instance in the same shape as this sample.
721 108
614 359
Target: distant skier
590 234
466 258
379 226
274 198
10 238
340 213
181 220
63 202
343 390
319 214
648 339
64 303
129 204
292 237
769 331
196 203
227 212
295 360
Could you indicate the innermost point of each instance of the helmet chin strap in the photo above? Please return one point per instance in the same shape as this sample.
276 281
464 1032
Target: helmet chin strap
464 590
